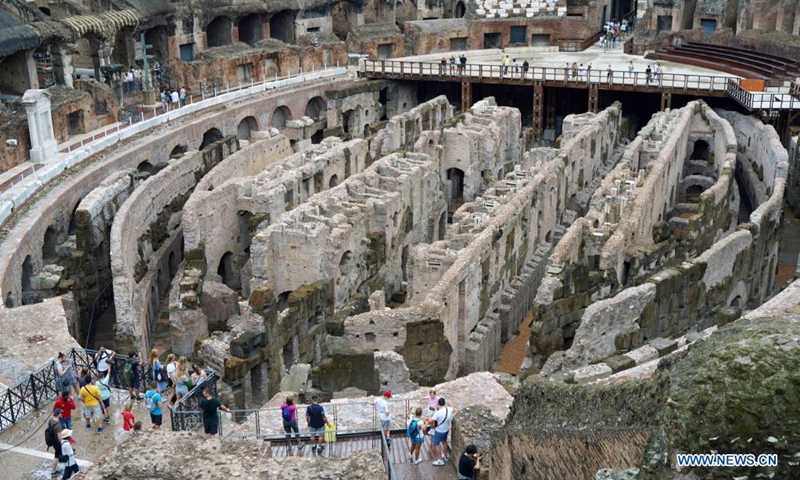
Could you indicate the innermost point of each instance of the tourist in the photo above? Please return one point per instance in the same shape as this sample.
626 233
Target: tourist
574 70
175 98
603 42
469 463
442 66
154 402
624 28
630 67
609 74
182 95
581 72
648 73
65 372
83 379
210 406
128 420
198 375
441 421
67 451
657 72
416 434
433 403
163 96
52 435
105 396
566 71
181 379
506 63
90 396
452 64
103 360
289 415
132 376
171 367
614 36
525 67
589 72
462 63
385 414
316 420
159 375
66 404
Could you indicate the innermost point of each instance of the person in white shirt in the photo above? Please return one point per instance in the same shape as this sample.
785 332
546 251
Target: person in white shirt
101 358
71 466
384 414
441 420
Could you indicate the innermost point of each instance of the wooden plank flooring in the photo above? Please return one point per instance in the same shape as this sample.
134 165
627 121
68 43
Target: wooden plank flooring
346 447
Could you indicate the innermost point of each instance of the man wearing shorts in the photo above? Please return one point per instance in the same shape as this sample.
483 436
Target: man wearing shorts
384 415
316 419
442 420
90 396
209 406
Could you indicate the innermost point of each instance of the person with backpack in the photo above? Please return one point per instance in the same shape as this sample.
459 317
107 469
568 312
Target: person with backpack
289 416
68 454
316 420
66 404
209 406
90 396
52 436
153 403
171 367
130 373
103 360
105 395
65 374
159 375
441 420
415 433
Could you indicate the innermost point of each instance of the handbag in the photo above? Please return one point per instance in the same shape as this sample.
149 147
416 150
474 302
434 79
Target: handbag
330 433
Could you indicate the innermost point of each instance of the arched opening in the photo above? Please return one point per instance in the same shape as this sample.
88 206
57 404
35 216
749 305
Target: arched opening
280 116
346 263
693 193
243 240
456 178
736 302
178 151
225 269
72 228
366 131
145 167
333 181
283 300
158 37
442 225
406 253
211 136
460 11
317 137
548 237
347 120
27 274
50 244
162 282
701 150
281 26
218 32
250 29
316 109
246 127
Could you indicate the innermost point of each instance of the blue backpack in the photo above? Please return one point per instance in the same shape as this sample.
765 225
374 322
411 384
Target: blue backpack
413 429
286 413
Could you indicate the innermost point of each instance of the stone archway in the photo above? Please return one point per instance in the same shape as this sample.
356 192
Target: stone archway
212 135
218 32
316 109
281 26
246 127
250 30
280 116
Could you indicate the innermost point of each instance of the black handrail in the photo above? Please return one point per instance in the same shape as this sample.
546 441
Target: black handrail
27 396
185 413
387 457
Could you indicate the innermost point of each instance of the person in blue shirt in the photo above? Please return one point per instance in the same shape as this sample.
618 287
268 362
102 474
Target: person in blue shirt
153 401
316 419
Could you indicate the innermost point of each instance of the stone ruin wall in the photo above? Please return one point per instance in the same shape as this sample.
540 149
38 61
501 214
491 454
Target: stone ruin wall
734 273
462 281
138 235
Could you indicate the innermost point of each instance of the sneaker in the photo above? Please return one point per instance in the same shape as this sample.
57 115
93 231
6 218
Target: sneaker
417 461
438 463
321 448
88 426
57 472
106 420
100 430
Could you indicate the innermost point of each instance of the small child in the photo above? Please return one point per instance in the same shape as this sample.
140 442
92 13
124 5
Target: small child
128 421
137 427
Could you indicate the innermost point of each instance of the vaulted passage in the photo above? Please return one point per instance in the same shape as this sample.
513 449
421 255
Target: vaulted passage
218 32
250 29
281 26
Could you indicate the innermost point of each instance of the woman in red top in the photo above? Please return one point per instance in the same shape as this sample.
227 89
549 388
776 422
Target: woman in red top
127 418
67 405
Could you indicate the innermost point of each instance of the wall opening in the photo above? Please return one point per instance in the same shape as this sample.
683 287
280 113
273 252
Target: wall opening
75 122
701 150
178 151
385 51
246 127
664 23
456 178
211 136
442 226
225 270
250 29
173 264
27 274
145 167
458 44
283 301
333 181
50 245
519 34
281 26
460 11
316 109
280 116
218 32
492 40
540 40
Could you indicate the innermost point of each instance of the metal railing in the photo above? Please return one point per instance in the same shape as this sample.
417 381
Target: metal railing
27 396
185 414
387 458
517 74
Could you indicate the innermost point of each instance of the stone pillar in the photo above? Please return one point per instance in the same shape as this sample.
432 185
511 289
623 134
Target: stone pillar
63 70
44 147
101 56
538 110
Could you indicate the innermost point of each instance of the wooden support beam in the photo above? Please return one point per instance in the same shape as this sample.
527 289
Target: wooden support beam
538 109
594 97
466 96
666 101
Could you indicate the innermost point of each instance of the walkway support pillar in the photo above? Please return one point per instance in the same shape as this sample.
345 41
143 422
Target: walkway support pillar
466 96
666 101
538 109
594 97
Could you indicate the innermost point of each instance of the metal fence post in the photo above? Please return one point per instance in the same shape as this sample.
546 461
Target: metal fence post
33 392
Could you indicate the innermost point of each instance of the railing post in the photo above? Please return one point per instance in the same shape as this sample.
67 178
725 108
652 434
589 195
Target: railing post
33 392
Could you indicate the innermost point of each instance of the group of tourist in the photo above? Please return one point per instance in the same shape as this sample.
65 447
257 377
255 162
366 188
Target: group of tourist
613 30
455 65
176 97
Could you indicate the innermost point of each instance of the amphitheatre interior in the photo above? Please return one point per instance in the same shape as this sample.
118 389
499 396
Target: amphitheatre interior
576 220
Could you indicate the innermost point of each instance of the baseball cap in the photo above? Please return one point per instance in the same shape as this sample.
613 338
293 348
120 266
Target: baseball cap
57 411
314 396
387 393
